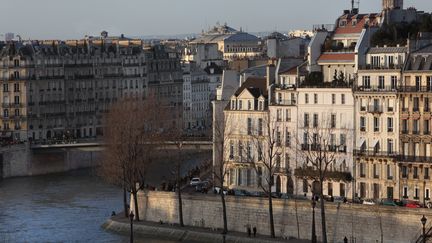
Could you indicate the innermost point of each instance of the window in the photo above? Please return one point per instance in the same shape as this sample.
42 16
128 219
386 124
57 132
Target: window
240 151
233 104
315 98
404 172
315 120
389 172
404 126
416 104
306 120
333 99
427 194
279 115
362 189
376 193
342 189
278 137
415 172
363 124
330 189
5 88
16 87
249 105
288 115
305 186
416 193
260 126
375 171
405 192
17 100
342 139
17 112
5 113
249 126
366 82
231 151
249 151
426 106
240 105
287 138
393 82
333 121
429 83
306 98
389 146
389 124
381 82
376 124
426 173
418 83
343 99
415 126
362 170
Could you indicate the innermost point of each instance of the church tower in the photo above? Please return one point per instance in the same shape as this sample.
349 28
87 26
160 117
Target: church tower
392 4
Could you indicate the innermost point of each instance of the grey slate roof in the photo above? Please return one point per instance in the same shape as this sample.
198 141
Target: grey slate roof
380 50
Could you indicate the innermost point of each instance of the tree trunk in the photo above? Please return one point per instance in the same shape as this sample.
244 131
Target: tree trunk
180 204
323 220
224 213
272 230
137 218
125 202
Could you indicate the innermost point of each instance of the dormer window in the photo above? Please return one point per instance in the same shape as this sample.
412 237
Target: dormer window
249 105
261 105
342 23
240 106
233 104
354 22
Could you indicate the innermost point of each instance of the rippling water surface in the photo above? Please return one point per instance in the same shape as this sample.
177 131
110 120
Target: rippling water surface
68 207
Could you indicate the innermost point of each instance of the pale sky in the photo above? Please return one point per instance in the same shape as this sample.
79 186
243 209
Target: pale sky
64 19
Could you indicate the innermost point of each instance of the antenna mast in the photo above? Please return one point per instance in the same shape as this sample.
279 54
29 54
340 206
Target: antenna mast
355 5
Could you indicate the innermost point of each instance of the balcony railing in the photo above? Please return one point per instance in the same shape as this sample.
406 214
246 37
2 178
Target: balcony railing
415 89
285 102
421 159
372 153
375 109
381 67
375 88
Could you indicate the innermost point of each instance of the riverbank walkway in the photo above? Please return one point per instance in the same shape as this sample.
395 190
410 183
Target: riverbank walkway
164 231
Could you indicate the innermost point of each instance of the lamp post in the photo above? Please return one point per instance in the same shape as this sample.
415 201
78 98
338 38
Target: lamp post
314 239
423 221
131 217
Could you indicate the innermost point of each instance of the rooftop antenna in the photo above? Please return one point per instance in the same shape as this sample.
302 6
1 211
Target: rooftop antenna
355 4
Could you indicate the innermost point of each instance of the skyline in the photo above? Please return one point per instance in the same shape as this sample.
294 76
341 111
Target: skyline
79 18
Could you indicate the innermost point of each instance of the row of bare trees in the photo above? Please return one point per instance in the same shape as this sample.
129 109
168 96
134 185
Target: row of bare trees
136 128
315 148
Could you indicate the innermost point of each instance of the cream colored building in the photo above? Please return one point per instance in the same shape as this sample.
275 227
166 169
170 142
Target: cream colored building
377 123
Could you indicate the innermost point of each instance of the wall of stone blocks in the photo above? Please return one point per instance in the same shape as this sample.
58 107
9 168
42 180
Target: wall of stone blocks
360 222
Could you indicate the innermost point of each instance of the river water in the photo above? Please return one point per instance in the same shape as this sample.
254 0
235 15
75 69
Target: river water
69 207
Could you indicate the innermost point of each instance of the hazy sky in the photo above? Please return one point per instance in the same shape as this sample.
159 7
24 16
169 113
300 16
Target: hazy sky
61 19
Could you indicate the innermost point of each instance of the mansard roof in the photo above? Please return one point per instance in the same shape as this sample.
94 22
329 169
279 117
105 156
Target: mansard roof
257 86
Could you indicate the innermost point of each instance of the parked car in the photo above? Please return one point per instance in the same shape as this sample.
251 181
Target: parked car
195 181
339 199
257 194
202 186
369 202
411 204
240 192
388 202
218 190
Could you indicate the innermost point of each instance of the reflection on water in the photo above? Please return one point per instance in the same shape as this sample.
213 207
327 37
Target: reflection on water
68 207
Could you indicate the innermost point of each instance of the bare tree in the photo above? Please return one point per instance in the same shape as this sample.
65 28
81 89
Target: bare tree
221 131
320 153
133 129
267 141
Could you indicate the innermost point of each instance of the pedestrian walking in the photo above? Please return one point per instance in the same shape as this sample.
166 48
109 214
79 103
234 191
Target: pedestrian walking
249 231
254 231
345 240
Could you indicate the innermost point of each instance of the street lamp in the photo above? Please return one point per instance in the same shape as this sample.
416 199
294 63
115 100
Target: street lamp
423 221
131 217
314 239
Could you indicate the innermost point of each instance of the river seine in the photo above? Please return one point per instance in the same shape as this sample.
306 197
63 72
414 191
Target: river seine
68 207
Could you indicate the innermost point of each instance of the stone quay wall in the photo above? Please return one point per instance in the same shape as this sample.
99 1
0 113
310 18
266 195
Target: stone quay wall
363 223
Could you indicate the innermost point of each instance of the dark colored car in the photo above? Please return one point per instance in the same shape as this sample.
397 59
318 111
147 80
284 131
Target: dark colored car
388 202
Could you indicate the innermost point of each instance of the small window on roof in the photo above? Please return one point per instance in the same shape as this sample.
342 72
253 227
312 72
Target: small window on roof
342 23
354 22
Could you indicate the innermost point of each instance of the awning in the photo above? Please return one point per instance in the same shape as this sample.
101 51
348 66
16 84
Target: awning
374 143
360 142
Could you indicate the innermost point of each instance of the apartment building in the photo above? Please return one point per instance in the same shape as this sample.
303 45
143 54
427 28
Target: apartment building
377 123
61 89
415 97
